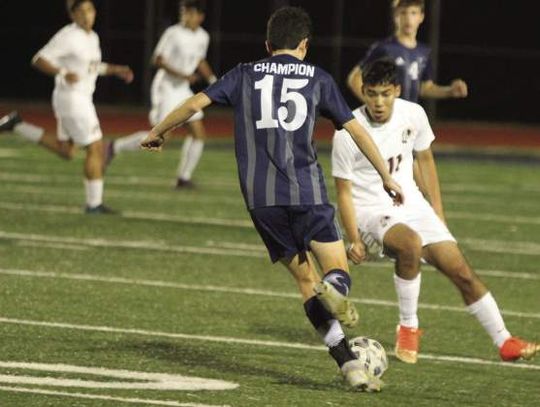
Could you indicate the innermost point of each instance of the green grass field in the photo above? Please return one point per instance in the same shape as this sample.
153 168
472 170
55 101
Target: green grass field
180 284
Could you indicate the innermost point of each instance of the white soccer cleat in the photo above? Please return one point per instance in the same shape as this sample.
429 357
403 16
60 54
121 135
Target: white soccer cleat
357 377
337 304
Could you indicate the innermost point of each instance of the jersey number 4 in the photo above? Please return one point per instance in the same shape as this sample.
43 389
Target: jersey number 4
288 94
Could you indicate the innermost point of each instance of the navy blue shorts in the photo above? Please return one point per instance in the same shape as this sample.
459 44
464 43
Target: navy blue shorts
288 230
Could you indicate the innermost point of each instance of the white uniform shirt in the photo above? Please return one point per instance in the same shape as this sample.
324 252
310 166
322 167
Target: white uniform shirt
77 51
408 129
183 49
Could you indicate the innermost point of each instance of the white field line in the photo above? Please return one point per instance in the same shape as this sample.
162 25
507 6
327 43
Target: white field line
486 217
73 210
216 248
173 196
241 341
231 290
486 189
9 153
139 401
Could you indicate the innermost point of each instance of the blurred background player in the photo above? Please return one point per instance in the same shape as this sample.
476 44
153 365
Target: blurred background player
276 102
180 57
73 57
413 59
415 229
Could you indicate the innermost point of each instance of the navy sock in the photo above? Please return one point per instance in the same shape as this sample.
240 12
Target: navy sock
317 314
340 279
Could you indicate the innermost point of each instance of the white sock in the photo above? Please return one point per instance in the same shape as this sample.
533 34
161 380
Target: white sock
29 131
191 154
408 292
333 336
94 192
487 313
129 143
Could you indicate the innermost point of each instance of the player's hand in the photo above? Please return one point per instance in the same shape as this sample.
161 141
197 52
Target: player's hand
125 73
458 89
153 141
356 252
193 78
393 189
71 77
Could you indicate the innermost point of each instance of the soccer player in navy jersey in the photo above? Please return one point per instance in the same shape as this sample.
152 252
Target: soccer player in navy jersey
276 102
415 74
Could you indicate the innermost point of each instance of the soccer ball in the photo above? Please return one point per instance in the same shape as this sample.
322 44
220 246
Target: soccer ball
371 353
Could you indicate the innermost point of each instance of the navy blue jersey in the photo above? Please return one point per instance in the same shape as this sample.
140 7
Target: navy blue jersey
414 64
276 101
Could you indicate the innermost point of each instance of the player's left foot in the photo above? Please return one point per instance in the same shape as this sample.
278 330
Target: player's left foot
100 210
515 348
9 121
407 343
356 376
184 184
337 304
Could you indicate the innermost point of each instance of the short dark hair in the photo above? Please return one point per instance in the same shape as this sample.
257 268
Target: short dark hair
408 3
380 72
287 26
199 5
72 5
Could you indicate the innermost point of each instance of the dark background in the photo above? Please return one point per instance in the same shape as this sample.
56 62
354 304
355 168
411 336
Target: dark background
491 44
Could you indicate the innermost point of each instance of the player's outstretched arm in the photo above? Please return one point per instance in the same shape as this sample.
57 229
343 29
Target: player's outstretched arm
354 81
456 89
370 150
428 171
177 117
123 72
356 251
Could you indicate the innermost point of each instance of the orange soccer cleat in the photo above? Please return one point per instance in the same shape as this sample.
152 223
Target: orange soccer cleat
515 348
407 343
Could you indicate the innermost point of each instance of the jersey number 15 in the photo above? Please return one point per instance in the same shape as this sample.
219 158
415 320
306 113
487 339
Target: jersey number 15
288 94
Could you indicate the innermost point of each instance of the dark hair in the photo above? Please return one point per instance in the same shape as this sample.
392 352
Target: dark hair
408 3
380 72
72 5
288 26
199 5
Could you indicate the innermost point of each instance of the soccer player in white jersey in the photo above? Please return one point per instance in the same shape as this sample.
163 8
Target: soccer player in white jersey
73 57
180 57
415 230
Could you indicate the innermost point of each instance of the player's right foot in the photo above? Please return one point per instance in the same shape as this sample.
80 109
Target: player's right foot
358 378
100 210
407 343
9 121
516 348
337 304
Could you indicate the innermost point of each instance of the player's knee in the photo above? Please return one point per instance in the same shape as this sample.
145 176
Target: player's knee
410 248
67 153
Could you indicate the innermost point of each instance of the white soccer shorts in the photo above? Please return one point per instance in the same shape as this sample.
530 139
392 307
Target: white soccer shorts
165 98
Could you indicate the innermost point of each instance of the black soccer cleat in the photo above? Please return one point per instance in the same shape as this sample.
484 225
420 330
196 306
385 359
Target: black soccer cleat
9 121
184 184
100 210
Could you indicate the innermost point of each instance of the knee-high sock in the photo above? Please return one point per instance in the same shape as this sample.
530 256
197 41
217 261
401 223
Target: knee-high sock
408 292
487 313
94 192
29 132
190 156
328 328
129 143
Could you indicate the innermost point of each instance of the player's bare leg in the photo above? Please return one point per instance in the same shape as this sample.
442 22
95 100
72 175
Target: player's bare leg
93 174
447 257
64 149
304 271
405 246
191 153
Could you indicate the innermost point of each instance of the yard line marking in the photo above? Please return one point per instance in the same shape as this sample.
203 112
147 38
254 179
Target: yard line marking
241 341
135 380
46 245
132 215
231 290
9 153
228 248
527 220
107 398
502 246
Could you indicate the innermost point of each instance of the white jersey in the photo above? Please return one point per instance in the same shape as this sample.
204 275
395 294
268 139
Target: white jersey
182 49
407 130
77 51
